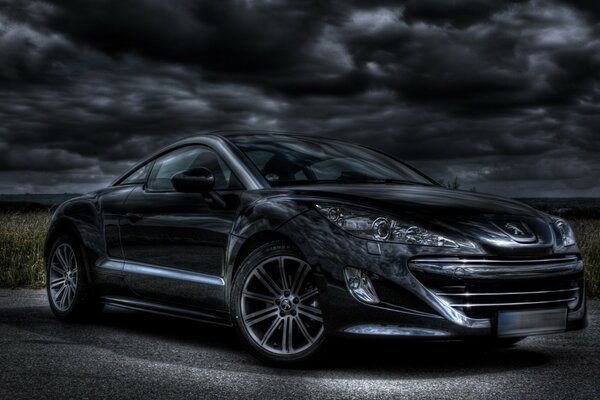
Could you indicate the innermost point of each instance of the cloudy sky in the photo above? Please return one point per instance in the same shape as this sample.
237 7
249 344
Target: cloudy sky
503 95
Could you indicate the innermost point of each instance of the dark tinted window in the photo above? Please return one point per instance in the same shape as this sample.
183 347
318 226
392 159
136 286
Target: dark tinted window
284 161
190 157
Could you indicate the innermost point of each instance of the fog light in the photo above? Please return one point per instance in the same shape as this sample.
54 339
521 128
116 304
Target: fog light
573 303
360 285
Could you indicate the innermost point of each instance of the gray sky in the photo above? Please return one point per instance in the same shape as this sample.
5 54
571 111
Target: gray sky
503 95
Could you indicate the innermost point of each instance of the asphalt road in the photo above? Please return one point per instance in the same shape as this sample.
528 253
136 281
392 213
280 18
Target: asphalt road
133 355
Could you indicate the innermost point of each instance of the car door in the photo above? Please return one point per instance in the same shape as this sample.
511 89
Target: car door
174 243
108 274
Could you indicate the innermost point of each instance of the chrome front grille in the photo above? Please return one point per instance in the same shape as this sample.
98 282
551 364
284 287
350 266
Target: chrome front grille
480 287
482 268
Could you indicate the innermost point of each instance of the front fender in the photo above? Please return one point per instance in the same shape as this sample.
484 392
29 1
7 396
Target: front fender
266 214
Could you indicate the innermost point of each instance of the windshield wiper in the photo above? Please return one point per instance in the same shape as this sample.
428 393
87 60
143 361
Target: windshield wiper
405 182
394 181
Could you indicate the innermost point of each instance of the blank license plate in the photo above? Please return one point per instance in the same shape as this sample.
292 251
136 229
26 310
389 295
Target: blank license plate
531 322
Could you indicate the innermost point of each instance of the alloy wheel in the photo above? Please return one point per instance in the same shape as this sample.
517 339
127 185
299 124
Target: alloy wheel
63 277
280 306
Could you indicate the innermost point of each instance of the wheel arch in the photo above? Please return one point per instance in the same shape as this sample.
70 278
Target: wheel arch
62 226
65 226
255 241
240 249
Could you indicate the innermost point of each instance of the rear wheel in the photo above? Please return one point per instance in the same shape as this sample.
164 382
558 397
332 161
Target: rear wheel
276 305
68 291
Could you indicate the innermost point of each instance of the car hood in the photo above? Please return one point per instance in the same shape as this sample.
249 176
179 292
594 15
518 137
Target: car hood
429 200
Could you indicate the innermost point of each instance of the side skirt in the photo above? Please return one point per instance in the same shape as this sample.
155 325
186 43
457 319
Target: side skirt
214 317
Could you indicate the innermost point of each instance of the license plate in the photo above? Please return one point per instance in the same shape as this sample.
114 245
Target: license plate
531 322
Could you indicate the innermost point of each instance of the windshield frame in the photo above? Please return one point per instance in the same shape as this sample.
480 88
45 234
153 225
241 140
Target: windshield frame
428 181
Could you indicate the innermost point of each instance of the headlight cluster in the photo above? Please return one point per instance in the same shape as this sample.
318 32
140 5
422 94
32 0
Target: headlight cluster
369 225
566 234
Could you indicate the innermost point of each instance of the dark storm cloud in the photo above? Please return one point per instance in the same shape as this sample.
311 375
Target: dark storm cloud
522 56
459 13
274 44
48 160
503 95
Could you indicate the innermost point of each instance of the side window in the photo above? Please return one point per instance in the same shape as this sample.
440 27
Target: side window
137 176
190 157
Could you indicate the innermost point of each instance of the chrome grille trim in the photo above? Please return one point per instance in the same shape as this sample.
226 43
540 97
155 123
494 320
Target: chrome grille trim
464 268
493 261
508 293
522 303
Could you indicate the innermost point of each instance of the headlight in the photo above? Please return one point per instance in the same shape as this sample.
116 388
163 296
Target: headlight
566 234
369 225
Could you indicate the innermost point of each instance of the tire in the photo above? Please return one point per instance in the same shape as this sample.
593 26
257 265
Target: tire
69 293
493 342
507 342
280 321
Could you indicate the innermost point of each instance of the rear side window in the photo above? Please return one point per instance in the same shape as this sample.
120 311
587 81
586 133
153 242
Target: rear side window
190 157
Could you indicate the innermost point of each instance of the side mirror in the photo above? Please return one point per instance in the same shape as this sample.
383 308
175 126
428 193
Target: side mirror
193 180
198 180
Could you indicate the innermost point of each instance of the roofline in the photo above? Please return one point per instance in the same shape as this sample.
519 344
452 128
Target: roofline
229 133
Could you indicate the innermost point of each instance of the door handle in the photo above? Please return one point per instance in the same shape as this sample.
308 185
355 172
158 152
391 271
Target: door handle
133 217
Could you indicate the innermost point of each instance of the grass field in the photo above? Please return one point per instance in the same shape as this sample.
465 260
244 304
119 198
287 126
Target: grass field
22 245
22 248
587 232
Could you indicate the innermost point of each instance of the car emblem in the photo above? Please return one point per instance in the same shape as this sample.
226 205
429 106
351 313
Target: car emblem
516 230
286 305
513 229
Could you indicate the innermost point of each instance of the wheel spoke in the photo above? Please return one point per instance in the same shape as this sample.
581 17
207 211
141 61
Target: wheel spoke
65 298
284 283
74 290
286 334
72 261
260 297
57 268
311 312
60 291
60 294
266 280
69 295
61 258
269 332
55 283
303 330
261 315
309 294
299 277
311 309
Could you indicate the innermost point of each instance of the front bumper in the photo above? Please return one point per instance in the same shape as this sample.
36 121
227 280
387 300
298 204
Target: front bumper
454 309
434 293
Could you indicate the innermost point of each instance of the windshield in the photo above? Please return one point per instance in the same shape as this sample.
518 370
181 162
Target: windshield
294 161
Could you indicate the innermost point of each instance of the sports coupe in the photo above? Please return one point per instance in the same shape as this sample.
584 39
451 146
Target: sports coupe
294 240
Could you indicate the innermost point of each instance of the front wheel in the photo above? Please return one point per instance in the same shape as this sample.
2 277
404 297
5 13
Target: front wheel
276 305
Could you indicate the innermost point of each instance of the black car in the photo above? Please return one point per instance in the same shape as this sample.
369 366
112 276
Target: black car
295 239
